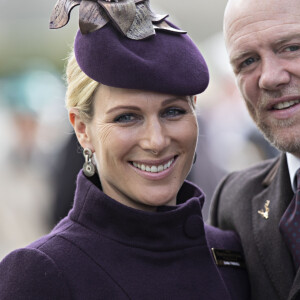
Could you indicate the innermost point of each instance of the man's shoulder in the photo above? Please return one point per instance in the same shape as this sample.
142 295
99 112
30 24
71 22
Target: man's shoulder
234 193
254 174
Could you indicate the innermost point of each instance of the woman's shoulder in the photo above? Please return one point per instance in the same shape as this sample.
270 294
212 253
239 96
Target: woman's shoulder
29 273
219 238
33 272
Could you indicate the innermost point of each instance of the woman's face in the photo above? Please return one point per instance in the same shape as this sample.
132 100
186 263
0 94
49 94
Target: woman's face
144 144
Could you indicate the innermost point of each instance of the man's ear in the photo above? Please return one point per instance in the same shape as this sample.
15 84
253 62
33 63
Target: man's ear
80 128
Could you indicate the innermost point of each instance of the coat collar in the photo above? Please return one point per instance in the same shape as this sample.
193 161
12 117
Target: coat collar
272 250
152 230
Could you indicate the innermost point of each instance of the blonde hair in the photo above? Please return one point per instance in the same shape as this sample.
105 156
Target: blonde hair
80 89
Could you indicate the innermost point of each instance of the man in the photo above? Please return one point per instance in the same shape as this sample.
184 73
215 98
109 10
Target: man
263 42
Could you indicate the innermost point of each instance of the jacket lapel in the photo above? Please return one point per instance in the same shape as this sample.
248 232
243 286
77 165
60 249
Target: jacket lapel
274 255
295 290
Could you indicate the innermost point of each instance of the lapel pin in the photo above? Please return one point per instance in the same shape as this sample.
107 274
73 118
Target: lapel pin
265 213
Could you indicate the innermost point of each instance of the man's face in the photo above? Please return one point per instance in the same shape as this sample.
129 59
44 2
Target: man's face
263 43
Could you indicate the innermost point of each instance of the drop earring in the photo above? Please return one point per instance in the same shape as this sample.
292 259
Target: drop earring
88 167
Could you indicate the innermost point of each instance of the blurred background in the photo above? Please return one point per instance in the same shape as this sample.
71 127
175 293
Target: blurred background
39 155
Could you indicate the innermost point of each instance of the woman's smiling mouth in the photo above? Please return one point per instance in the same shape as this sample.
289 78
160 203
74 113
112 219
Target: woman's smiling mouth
154 168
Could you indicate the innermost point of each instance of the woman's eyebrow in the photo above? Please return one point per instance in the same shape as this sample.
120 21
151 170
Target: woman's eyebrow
136 108
170 100
131 107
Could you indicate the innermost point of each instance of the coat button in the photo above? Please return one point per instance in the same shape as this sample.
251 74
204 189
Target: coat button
193 226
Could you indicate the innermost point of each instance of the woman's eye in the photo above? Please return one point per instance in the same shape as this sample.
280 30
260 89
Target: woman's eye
173 112
125 118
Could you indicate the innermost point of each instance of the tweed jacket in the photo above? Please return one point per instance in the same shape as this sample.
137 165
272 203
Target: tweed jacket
105 250
235 206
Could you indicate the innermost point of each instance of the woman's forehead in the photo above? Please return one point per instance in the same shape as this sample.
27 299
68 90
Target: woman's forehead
108 97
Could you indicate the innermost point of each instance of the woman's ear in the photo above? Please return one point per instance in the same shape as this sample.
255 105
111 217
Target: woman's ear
195 100
81 129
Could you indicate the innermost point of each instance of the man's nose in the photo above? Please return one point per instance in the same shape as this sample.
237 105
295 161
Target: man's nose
273 73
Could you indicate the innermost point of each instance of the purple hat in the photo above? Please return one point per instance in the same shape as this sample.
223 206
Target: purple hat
146 55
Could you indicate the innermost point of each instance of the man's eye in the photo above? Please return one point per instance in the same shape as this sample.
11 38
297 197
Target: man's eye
248 62
292 48
173 112
125 118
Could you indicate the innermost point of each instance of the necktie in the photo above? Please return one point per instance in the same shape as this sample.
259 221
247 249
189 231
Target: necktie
289 225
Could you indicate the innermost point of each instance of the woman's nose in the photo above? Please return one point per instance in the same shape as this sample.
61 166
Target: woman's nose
155 137
273 74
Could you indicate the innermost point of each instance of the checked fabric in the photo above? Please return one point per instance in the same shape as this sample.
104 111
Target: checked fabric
289 224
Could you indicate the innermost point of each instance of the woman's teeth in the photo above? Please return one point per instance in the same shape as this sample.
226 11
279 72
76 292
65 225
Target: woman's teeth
154 169
287 104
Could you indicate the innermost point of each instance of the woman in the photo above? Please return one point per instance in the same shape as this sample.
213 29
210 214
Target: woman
136 229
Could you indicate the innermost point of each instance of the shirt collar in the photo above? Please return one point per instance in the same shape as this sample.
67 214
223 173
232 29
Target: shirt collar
293 165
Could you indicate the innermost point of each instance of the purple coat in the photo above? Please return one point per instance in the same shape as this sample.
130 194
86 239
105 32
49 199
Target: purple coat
105 250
